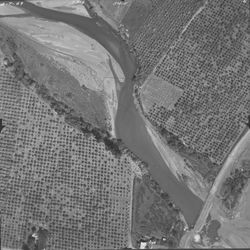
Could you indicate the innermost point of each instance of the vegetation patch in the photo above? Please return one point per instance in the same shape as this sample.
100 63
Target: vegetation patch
232 188
212 113
156 91
36 239
136 15
155 30
154 215
54 175
25 59
196 161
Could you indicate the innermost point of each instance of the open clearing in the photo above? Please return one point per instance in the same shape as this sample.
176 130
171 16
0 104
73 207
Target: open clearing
156 91
10 10
68 6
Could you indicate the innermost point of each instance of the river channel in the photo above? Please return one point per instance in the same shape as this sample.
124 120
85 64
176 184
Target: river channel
130 126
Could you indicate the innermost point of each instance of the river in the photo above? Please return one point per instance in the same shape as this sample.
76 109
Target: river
130 126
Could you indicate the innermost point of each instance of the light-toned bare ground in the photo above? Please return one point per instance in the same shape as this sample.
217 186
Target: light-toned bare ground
4 248
178 166
68 6
10 10
158 91
112 11
85 59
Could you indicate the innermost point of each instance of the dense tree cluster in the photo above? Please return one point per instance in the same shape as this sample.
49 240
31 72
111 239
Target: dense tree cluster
176 144
116 146
233 186
156 213
36 240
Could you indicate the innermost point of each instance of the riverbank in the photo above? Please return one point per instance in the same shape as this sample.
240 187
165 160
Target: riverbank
213 203
178 166
175 162
67 6
130 127
62 45
112 11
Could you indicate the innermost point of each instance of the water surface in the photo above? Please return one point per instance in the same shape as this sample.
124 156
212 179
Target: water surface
130 127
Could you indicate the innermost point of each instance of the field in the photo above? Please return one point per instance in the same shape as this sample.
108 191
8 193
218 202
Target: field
210 64
136 15
158 29
56 178
64 183
154 215
81 78
155 90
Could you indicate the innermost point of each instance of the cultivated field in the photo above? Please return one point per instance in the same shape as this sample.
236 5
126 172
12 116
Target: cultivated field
156 90
210 64
161 27
136 15
55 177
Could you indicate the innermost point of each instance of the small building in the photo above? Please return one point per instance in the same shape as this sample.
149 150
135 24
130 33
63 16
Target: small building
197 238
143 244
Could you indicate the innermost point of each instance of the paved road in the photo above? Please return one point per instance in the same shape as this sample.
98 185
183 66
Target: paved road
185 241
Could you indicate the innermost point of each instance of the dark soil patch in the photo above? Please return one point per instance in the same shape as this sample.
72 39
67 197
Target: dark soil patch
212 231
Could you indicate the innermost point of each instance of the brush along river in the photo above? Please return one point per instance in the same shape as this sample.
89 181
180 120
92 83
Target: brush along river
130 126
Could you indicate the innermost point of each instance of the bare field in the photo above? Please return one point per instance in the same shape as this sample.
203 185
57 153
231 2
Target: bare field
55 177
10 10
156 91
